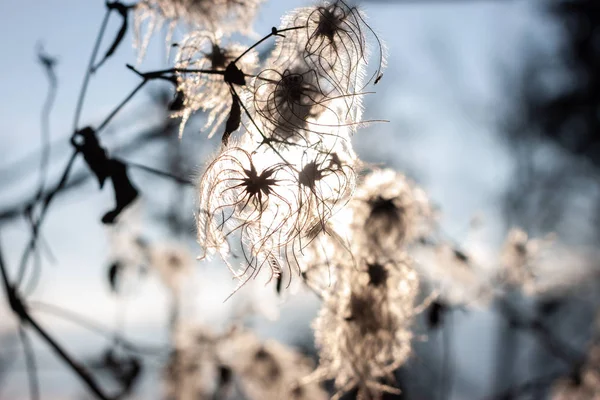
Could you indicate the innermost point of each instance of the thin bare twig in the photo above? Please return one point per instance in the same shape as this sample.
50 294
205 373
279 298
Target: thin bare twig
21 311
34 387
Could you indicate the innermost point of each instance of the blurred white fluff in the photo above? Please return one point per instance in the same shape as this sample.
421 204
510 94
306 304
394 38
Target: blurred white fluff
461 278
269 370
236 364
545 266
174 264
389 213
584 384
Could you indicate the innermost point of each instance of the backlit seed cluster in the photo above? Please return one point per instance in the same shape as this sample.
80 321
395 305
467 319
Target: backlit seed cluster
287 193
272 189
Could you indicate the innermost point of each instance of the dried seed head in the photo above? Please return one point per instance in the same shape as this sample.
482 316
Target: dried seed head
246 199
336 41
325 185
270 370
203 91
293 107
193 367
225 16
362 330
518 258
388 213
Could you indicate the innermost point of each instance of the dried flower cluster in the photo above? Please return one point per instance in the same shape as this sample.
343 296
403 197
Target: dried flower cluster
363 330
288 195
276 196
269 193
361 267
272 197
204 51
235 365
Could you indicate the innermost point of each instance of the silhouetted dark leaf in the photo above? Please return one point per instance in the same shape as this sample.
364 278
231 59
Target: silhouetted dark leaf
549 306
47 61
125 192
435 314
279 283
86 142
113 274
225 375
178 102
234 120
461 256
122 9
234 75
124 368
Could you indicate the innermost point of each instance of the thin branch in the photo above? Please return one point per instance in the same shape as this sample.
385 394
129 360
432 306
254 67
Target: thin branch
447 378
160 74
21 311
94 327
528 386
89 71
555 346
47 200
34 387
48 63
160 173
120 106
274 32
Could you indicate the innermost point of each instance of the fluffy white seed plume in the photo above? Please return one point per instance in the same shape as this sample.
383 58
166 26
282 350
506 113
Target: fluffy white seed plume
293 107
226 16
362 331
315 77
247 199
208 92
325 183
389 212
335 40
545 266
267 209
459 277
